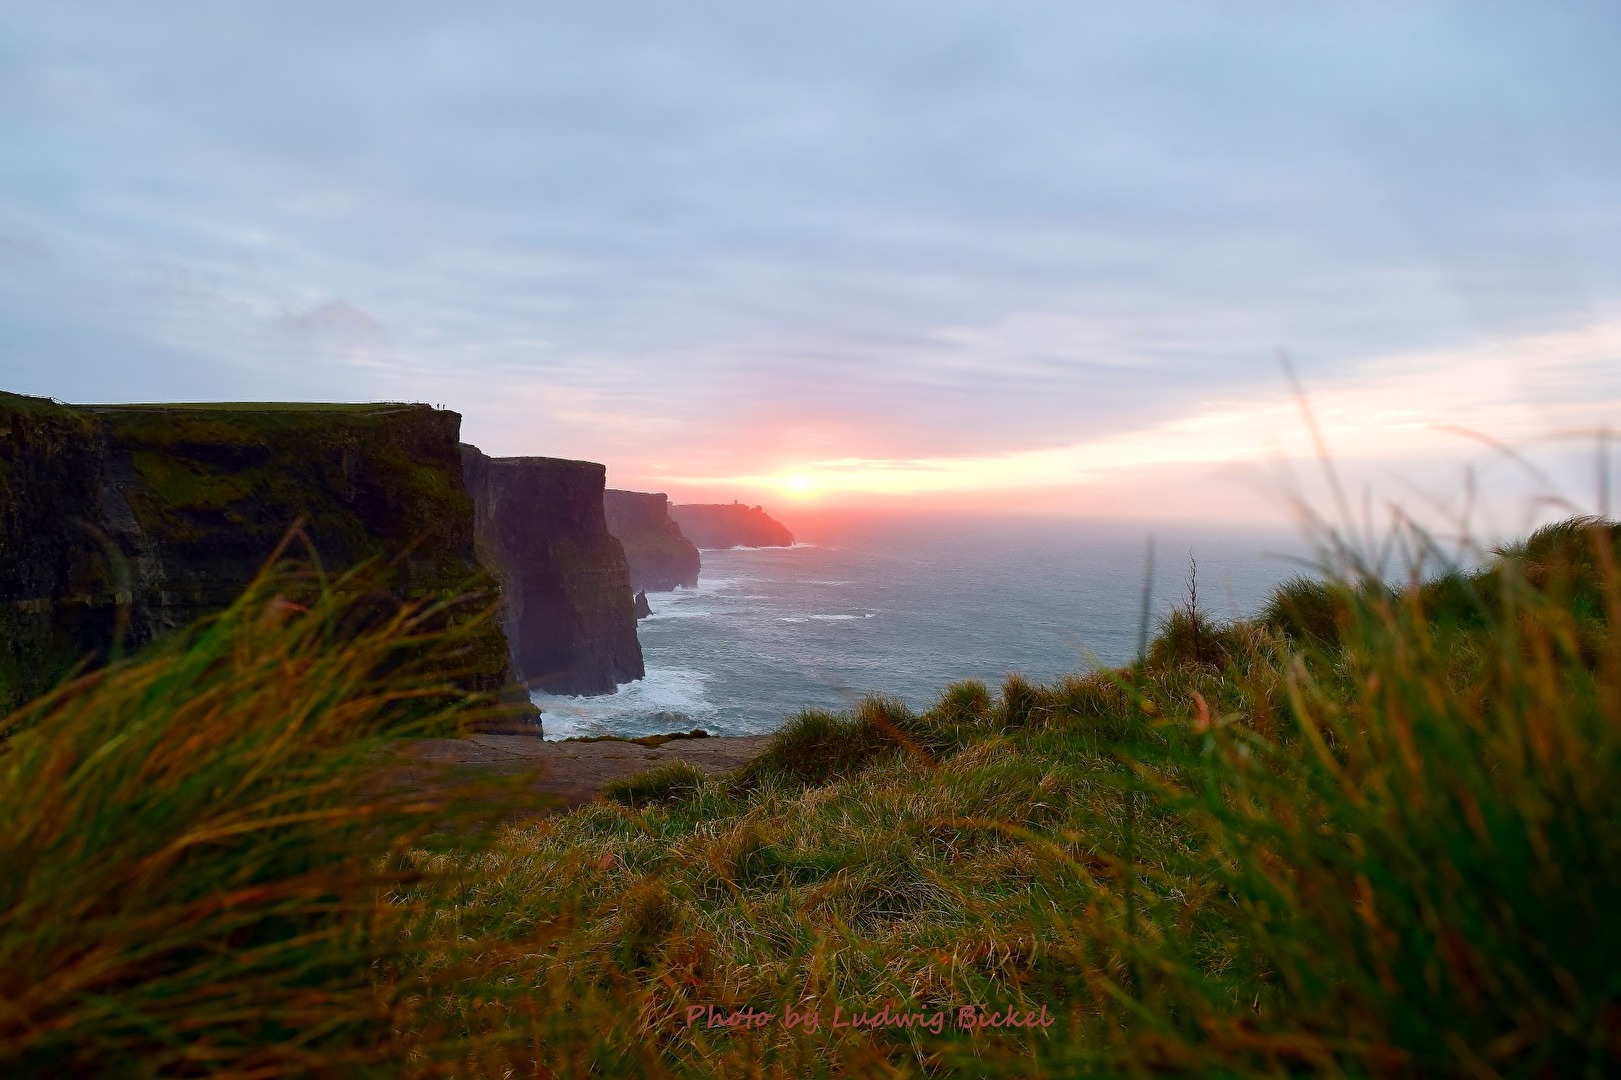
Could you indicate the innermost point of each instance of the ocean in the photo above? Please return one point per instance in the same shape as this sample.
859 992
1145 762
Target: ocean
905 605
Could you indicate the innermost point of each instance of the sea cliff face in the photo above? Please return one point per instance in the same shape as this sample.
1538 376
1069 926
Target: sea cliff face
58 595
725 525
119 524
565 585
660 557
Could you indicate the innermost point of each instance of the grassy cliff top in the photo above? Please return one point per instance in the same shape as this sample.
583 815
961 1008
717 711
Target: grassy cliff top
30 404
1373 831
373 408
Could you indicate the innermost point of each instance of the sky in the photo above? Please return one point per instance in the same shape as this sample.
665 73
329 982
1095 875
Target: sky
997 255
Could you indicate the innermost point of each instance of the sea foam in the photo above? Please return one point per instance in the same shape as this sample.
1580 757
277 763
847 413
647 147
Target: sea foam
665 699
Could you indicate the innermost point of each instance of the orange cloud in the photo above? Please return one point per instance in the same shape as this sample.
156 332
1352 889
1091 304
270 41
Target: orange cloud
1404 406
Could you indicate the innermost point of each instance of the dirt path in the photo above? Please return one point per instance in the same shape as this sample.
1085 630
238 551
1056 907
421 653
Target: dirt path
572 773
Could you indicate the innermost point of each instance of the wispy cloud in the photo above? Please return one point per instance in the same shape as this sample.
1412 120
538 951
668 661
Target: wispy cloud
1416 405
334 323
728 240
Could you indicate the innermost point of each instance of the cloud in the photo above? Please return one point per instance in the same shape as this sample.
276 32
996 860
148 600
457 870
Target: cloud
720 237
23 251
335 323
1419 406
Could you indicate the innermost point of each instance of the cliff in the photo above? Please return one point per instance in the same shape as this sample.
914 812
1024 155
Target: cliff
57 592
660 557
724 525
565 586
121 523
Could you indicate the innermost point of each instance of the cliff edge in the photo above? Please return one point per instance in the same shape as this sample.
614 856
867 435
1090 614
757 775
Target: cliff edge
660 557
725 525
119 524
567 612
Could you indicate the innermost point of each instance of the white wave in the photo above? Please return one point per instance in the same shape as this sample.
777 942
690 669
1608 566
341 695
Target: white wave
705 585
693 603
719 584
821 618
661 613
666 699
762 547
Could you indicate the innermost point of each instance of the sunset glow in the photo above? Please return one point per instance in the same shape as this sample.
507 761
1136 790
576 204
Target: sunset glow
956 259
1407 406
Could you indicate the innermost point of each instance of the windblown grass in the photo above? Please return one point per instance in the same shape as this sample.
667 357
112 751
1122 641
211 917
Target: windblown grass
1375 831
196 873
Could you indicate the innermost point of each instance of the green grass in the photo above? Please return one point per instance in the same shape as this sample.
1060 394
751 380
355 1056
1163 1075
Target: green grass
1391 851
1373 832
367 408
667 783
203 871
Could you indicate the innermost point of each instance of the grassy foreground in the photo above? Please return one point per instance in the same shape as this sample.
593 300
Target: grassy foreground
1372 831
202 871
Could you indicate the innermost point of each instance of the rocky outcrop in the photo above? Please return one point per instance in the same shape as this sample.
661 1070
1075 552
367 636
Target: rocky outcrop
660 557
643 608
726 525
565 586
119 524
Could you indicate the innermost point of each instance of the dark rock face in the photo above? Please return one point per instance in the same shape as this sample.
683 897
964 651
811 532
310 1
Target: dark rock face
58 595
660 557
565 586
725 525
643 608
123 523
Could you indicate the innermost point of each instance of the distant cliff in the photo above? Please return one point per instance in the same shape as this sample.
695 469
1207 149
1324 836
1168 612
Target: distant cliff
122 523
724 525
660 557
565 585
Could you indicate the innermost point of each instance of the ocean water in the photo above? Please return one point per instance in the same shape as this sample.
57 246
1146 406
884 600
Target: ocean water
904 606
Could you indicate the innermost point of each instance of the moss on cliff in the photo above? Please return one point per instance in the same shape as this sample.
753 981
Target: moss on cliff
121 523
368 481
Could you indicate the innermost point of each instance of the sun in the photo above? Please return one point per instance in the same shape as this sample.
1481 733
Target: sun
796 485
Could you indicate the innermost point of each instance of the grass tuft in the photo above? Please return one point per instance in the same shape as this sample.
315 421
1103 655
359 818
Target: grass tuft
815 746
666 783
1308 610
